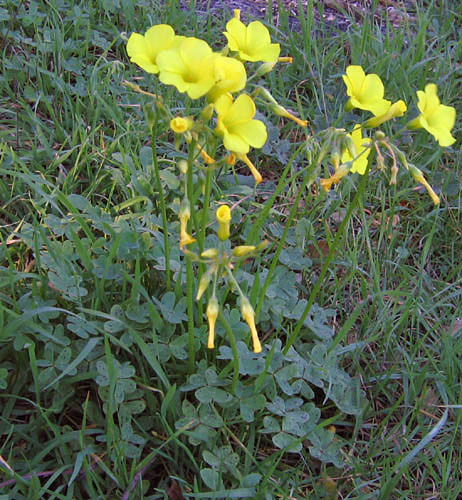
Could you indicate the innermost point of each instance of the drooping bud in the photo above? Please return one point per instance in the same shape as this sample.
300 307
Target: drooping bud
204 281
419 177
243 250
212 314
249 317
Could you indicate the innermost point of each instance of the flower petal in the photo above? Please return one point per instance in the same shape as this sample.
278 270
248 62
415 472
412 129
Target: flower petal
235 143
253 132
242 110
235 34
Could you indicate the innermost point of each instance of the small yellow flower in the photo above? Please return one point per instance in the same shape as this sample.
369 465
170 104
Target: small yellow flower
395 110
249 317
181 124
363 150
365 91
223 215
236 125
212 314
435 118
230 76
188 66
252 42
143 50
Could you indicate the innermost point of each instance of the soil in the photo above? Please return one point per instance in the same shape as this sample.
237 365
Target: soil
337 13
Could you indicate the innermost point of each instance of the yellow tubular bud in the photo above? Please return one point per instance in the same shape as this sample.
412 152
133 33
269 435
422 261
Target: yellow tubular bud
223 215
419 177
210 253
394 173
205 156
204 281
184 215
256 174
249 317
281 111
286 59
243 250
237 14
181 124
212 314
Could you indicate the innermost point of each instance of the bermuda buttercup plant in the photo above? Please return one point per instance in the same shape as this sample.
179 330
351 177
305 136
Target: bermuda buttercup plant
226 101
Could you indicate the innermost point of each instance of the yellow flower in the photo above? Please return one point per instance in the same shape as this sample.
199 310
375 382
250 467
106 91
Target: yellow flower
230 76
212 314
188 66
252 42
181 124
143 50
396 109
236 125
249 316
435 118
365 91
223 218
363 150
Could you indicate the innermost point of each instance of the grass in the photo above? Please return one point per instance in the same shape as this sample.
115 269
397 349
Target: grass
99 398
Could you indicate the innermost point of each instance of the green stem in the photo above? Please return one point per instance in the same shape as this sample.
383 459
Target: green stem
332 250
232 341
307 179
161 201
189 269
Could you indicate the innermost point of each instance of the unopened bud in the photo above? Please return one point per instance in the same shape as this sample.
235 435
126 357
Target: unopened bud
210 253
249 317
264 68
243 250
212 314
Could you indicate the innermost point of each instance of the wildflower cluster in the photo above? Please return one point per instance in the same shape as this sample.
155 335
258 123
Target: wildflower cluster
350 152
229 99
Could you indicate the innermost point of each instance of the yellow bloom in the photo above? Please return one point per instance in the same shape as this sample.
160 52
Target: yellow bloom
188 66
252 42
181 124
396 109
230 76
143 50
249 317
223 215
363 150
435 118
365 91
212 314
236 124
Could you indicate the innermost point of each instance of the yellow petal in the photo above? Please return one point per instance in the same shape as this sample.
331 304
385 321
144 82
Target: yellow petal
354 79
242 110
235 143
160 37
253 132
235 34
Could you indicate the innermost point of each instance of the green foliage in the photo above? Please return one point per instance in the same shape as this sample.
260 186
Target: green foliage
99 395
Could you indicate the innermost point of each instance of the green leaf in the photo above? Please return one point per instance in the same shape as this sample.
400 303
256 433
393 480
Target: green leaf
283 440
210 478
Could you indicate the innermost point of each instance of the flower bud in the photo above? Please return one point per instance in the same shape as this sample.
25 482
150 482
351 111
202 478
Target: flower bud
204 281
264 68
183 166
243 250
223 215
210 253
207 112
212 314
420 178
249 317
281 111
